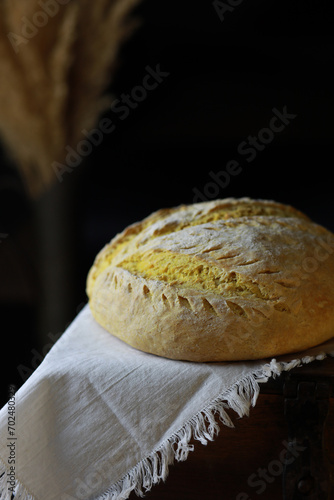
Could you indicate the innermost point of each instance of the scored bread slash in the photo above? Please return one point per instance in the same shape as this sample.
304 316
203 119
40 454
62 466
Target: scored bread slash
225 280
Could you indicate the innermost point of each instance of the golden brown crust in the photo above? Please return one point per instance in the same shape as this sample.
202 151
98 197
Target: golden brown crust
217 281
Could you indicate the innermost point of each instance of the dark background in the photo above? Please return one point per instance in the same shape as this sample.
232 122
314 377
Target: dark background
225 78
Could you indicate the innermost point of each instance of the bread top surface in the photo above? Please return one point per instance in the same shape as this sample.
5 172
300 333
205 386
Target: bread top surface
215 264
197 229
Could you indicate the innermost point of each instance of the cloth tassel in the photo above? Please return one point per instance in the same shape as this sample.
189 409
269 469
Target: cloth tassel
19 491
203 427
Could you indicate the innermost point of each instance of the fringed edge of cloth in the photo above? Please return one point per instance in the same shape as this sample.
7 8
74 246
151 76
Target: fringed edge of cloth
203 427
10 487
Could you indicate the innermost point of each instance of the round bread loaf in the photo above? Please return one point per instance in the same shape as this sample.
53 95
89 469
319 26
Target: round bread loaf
231 279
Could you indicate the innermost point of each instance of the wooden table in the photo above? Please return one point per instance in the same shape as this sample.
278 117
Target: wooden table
283 450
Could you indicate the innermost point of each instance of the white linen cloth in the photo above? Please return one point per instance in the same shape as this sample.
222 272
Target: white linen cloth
98 419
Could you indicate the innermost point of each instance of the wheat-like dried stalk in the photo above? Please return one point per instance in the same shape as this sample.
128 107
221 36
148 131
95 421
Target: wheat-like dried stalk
53 77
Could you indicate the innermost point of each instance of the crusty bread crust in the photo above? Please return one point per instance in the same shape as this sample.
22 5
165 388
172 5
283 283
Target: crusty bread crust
225 280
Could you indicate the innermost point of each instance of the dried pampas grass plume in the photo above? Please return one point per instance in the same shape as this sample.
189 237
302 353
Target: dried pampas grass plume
57 58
